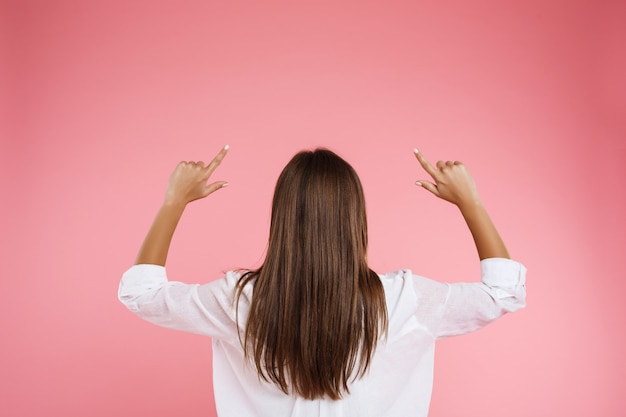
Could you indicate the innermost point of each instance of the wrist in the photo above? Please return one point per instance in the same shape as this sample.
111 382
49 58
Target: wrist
470 205
173 204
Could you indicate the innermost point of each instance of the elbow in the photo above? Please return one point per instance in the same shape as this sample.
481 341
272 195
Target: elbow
514 301
130 302
127 297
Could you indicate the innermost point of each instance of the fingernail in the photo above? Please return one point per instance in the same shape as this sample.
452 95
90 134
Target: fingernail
417 182
226 147
225 185
415 150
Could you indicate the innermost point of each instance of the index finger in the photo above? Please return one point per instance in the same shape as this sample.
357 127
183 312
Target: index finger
216 161
425 164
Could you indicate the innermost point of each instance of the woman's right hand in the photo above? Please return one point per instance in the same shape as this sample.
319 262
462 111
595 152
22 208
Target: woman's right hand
452 181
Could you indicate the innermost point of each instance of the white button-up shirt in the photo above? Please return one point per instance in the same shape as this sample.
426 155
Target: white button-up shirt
400 377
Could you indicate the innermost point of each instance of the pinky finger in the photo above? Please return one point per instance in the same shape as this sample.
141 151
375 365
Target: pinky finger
211 188
429 186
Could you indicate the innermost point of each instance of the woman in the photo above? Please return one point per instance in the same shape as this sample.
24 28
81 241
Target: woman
314 331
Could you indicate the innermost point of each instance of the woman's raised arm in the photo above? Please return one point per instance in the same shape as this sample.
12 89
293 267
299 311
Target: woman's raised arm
187 183
454 183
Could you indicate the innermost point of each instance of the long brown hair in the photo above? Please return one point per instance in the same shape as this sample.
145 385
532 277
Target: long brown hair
317 309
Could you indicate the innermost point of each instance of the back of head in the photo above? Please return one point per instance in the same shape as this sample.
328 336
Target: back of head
317 309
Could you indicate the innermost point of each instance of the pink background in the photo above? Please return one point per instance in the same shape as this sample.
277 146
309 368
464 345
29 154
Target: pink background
101 99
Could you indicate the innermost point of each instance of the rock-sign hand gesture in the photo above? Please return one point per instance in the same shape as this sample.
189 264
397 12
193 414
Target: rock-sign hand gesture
454 183
189 180
187 183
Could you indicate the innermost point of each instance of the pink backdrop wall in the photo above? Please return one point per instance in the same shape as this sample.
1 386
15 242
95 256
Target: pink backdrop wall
101 99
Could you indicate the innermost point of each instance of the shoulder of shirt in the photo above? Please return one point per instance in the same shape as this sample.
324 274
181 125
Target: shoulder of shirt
401 274
403 279
398 273
398 280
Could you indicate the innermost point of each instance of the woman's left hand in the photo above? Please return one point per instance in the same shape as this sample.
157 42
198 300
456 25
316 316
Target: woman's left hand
189 180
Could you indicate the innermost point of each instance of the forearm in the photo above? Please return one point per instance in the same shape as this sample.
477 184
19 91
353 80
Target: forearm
488 242
157 242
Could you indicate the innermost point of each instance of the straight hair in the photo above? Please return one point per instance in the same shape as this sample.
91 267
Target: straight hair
317 309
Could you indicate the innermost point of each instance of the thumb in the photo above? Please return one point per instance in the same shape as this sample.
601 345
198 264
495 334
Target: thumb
429 186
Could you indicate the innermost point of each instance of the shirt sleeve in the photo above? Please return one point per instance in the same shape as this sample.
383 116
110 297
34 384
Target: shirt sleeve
470 306
205 309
